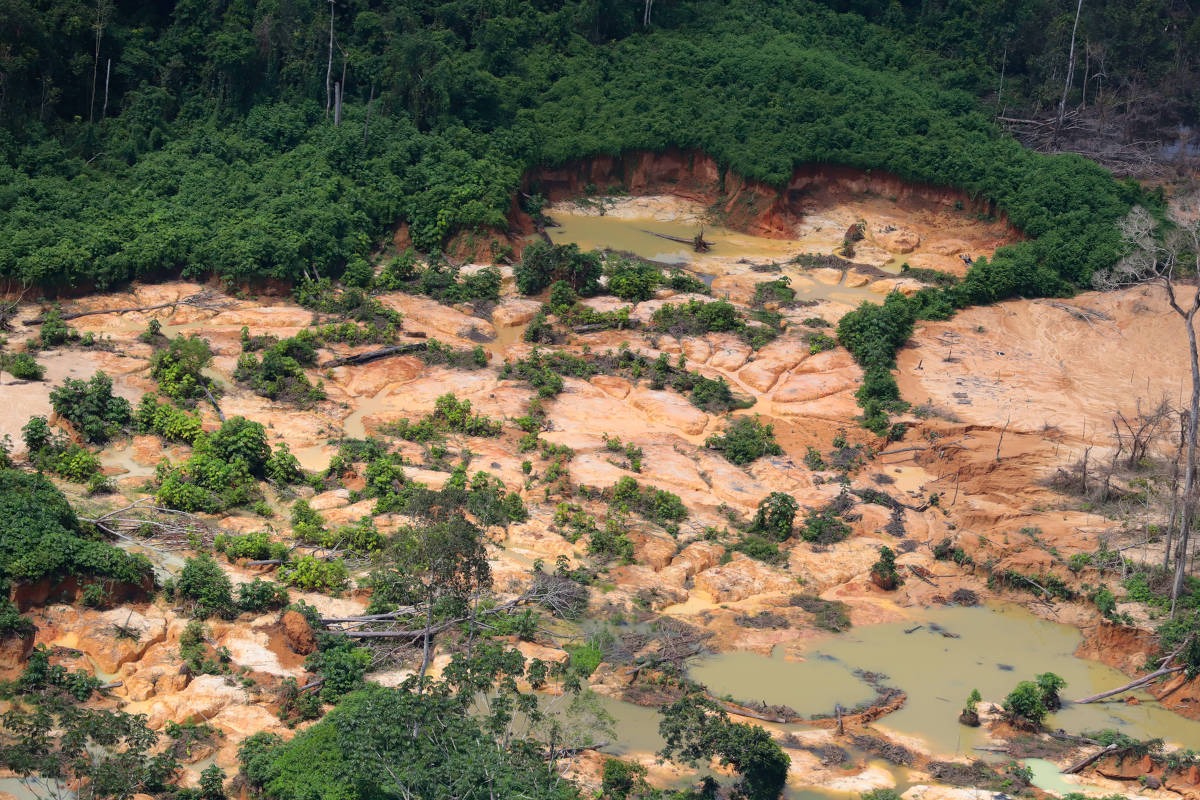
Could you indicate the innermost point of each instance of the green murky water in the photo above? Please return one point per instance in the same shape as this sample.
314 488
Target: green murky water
636 235
732 252
995 648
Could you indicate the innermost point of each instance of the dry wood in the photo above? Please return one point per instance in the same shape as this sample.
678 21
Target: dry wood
1093 758
1137 683
698 242
206 300
375 355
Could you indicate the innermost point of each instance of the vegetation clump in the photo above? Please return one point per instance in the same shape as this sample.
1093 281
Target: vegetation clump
91 407
745 440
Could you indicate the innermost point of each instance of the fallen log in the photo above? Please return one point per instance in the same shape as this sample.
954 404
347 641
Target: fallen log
698 242
375 355
1136 683
1093 758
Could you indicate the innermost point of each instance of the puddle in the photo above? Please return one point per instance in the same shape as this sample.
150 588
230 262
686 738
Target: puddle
996 648
636 234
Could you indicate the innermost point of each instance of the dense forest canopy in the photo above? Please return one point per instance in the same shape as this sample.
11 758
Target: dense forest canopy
207 137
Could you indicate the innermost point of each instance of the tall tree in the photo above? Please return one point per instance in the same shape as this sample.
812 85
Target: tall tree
1161 258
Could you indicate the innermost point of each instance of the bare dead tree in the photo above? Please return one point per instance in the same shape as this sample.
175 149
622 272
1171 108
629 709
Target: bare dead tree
329 64
1135 436
1062 106
1159 258
648 5
103 10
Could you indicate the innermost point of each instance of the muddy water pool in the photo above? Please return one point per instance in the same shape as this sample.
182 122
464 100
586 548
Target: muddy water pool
633 231
994 649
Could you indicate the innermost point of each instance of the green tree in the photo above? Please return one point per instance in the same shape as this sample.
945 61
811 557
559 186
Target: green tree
438 565
883 571
1025 704
745 440
179 366
696 729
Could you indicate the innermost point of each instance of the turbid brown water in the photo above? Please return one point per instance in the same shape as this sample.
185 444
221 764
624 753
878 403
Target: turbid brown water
992 650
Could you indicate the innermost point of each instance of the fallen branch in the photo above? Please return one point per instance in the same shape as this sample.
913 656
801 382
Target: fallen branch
207 300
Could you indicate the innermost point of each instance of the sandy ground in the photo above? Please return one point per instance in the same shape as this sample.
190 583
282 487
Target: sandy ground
1021 389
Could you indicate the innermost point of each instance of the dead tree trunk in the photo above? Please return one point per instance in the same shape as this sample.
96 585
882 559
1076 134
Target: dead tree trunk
329 65
1188 508
1093 758
1062 106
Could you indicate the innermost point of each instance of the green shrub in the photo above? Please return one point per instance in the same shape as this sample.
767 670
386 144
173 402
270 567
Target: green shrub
342 666
777 291
179 366
542 264
775 516
883 571
282 468
761 549
1025 704
91 408
656 505
279 375
55 332
697 317
206 587
632 279
313 574
745 440
252 546
450 415
258 596
824 527
22 366
611 543
165 420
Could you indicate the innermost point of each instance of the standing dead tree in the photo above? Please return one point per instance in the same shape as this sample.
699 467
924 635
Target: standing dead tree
1158 257
1135 435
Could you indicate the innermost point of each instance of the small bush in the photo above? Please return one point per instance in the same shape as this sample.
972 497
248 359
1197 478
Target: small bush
313 574
761 549
1025 704
824 527
179 366
883 571
205 585
746 440
258 596
22 366
775 516
542 264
